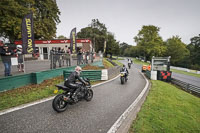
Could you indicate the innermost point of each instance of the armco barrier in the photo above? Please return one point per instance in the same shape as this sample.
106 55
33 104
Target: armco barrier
91 74
12 82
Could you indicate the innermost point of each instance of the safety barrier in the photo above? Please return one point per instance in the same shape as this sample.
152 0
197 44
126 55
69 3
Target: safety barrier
93 75
11 82
186 86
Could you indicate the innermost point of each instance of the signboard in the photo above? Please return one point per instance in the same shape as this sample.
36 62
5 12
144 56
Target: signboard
28 44
73 44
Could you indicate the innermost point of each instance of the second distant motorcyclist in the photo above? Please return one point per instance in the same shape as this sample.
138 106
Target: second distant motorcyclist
129 63
71 82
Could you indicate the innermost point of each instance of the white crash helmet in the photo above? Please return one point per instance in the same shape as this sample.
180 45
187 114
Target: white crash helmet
78 69
19 46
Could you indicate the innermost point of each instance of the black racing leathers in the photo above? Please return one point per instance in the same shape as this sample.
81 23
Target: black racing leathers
124 69
71 83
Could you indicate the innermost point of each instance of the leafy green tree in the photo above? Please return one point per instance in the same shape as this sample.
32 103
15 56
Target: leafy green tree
123 46
149 42
176 49
112 45
194 48
96 31
61 37
45 14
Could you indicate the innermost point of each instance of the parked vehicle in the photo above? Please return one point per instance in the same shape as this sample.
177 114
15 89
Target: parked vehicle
61 101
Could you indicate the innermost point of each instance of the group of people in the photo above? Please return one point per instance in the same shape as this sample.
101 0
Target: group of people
6 54
59 55
84 56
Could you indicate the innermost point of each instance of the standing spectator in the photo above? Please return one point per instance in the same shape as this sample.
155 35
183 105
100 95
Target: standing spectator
20 59
87 56
63 56
84 57
79 54
68 57
92 57
52 58
6 53
59 56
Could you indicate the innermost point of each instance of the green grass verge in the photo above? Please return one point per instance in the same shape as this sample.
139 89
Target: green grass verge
118 63
186 73
168 109
139 62
107 64
30 93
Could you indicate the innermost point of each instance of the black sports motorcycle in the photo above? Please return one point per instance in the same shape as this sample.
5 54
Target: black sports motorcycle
61 101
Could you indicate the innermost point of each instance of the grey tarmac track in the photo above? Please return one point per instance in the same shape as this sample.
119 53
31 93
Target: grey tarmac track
185 78
109 102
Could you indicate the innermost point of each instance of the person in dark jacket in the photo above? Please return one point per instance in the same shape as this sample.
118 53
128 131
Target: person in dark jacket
124 69
6 53
71 82
20 59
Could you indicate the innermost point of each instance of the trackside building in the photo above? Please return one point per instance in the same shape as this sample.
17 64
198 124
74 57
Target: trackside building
43 47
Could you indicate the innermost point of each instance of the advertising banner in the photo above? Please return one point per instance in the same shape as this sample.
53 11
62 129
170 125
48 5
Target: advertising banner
28 44
73 44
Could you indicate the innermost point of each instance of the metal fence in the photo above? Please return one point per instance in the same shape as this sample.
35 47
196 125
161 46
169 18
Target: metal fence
186 86
46 62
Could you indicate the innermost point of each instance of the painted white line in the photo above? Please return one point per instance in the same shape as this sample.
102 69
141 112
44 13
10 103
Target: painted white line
119 121
25 105
41 101
106 81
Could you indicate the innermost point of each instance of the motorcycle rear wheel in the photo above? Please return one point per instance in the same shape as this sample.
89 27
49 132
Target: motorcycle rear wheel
58 104
89 95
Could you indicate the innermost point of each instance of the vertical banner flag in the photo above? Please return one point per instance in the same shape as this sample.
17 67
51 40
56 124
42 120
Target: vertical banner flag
73 44
104 50
28 34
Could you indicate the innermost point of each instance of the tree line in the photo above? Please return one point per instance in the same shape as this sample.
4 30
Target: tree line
150 43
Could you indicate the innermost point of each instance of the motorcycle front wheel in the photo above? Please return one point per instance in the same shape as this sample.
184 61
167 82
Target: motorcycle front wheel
58 104
122 80
89 95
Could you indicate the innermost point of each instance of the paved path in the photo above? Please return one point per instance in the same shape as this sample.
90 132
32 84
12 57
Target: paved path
97 116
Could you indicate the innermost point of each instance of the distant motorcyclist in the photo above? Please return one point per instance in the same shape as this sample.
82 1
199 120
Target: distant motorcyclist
124 69
129 63
71 82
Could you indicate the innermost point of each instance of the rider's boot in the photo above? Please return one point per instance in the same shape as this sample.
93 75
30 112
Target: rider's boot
74 96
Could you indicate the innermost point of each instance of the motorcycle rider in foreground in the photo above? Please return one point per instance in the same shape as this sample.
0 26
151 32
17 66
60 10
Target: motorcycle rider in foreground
71 82
124 69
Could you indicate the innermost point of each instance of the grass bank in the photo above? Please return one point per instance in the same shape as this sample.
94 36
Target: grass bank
28 93
117 62
139 62
168 109
185 73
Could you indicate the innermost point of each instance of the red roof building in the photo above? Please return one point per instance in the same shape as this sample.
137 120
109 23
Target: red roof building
44 46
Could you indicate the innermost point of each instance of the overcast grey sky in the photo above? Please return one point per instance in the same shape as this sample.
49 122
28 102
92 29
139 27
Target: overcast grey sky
125 18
